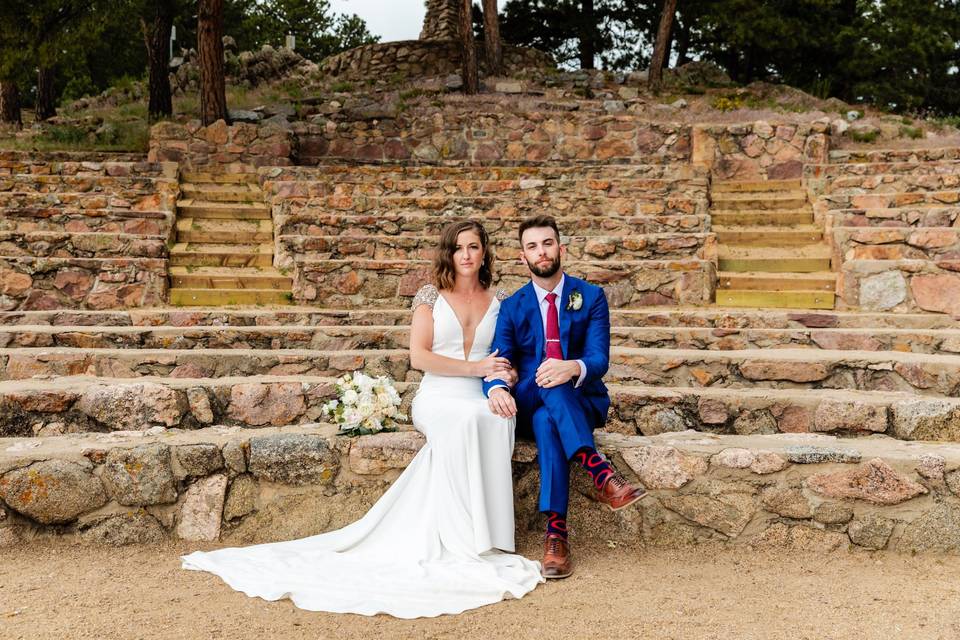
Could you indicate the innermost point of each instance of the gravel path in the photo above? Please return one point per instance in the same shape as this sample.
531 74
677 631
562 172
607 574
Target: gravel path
66 592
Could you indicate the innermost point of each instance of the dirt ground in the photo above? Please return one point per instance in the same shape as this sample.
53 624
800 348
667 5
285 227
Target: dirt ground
66 592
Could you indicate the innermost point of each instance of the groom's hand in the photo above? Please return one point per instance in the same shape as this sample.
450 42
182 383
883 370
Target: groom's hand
502 403
553 373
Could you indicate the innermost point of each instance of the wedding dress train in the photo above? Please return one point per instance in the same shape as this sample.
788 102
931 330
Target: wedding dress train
438 540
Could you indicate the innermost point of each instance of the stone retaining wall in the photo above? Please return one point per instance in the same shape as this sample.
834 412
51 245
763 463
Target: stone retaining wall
490 137
760 150
418 58
236 147
788 492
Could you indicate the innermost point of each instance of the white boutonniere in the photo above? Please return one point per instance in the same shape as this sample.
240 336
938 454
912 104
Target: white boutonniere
574 301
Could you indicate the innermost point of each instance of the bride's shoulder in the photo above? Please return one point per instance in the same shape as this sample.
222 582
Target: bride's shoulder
427 294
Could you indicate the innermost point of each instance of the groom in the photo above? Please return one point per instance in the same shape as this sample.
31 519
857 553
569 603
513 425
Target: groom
556 332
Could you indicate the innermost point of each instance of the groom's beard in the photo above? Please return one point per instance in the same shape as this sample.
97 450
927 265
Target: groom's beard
545 271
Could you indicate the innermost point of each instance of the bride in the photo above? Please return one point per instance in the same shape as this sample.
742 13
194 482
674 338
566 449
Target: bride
441 538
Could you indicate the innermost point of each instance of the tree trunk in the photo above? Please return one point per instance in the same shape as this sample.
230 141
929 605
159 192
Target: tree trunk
10 104
213 96
157 38
588 29
683 42
471 76
491 35
660 47
46 99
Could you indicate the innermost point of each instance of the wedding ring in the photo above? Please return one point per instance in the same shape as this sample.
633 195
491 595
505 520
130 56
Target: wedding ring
548 380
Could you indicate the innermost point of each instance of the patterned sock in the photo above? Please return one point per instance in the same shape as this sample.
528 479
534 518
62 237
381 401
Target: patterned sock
557 523
594 464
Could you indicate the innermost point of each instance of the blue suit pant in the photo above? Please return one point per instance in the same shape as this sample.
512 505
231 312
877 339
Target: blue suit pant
562 425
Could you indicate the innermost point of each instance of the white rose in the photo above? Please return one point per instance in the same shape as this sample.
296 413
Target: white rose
349 396
384 399
365 409
390 411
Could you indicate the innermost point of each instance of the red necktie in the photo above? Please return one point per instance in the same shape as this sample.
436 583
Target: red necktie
553 328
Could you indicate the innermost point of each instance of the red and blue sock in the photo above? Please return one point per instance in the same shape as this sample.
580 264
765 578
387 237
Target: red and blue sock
595 464
557 524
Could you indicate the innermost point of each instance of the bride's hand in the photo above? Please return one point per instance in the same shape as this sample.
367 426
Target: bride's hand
510 377
491 367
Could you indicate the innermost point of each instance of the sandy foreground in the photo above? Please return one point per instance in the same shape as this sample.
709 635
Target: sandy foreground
58 591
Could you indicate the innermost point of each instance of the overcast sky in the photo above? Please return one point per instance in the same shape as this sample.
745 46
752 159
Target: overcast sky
389 19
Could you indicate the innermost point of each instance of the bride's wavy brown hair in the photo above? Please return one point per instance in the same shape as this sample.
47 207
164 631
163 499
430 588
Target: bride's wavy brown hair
444 273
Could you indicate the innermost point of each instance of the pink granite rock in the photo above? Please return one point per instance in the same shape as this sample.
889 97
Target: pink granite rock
876 482
260 404
378 453
939 293
784 370
663 467
202 509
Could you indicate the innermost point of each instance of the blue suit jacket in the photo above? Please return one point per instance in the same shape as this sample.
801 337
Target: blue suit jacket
584 335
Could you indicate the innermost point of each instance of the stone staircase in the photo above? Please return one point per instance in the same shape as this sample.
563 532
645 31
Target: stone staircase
800 428
771 250
224 249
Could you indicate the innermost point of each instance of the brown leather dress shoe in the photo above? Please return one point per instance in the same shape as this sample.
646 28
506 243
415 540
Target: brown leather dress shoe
617 493
557 561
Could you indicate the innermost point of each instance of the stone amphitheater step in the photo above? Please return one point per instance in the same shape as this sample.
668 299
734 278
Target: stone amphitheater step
223 210
809 493
356 336
779 218
233 278
216 192
897 243
213 231
932 375
482 205
898 183
147 199
675 246
758 201
864 169
184 254
771 236
922 374
892 200
78 404
82 245
329 224
896 217
747 186
79 220
379 173
94 184
640 188
800 259
658 316
849 156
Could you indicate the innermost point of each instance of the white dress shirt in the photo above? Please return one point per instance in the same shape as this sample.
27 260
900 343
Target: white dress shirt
544 305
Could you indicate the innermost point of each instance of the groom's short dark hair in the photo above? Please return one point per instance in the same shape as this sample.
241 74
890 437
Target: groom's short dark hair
538 221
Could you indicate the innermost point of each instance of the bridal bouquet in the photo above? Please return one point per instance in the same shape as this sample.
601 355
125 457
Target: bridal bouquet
365 405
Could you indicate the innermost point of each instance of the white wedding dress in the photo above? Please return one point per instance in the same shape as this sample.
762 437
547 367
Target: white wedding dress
436 541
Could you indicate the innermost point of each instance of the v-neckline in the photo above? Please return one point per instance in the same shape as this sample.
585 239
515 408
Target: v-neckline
463 337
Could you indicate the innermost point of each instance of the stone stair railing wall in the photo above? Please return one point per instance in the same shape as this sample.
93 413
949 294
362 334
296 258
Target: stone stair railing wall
894 221
84 233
